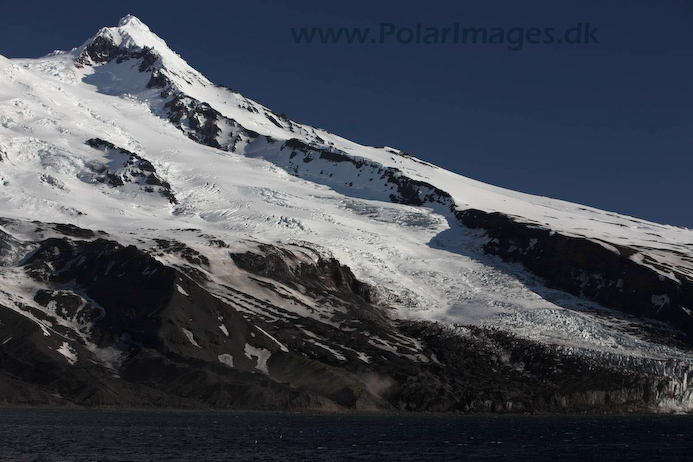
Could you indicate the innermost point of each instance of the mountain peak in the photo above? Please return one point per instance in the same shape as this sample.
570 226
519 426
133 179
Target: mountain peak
133 22
131 33
132 39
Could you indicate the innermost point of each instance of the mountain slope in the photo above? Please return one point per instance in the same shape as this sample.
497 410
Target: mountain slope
329 253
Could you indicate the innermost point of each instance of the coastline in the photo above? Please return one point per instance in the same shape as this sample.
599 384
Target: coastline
340 413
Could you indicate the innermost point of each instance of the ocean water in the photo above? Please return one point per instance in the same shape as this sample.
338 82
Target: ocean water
52 435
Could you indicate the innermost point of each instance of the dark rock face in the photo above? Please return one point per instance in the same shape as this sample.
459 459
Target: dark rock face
189 254
493 371
135 169
159 80
201 123
406 190
11 249
167 330
71 230
284 266
93 267
148 59
31 372
410 157
274 121
585 268
102 50
68 306
201 119
195 262
325 279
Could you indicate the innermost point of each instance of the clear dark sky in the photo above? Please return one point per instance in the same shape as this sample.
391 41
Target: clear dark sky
608 125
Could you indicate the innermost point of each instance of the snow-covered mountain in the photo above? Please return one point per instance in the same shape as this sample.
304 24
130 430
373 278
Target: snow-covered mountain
167 241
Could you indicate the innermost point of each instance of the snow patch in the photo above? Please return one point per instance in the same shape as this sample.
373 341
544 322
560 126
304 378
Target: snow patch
190 337
363 357
261 356
69 353
226 359
658 301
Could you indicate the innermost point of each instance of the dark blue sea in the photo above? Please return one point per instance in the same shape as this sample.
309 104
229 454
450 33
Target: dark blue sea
58 435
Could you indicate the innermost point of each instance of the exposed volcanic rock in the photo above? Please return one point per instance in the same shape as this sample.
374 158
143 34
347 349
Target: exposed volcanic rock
33 372
159 80
493 371
11 249
191 255
325 274
134 169
195 264
324 279
408 191
167 330
202 123
100 50
68 305
103 50
408 156
71 230
589 269
199 118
